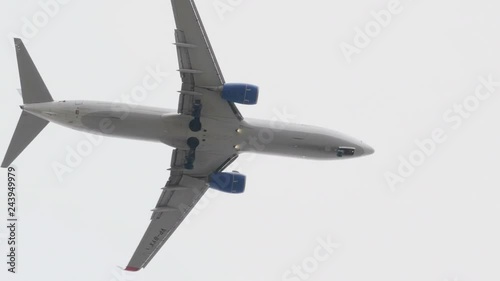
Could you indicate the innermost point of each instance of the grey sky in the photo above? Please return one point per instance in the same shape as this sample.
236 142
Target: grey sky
438 221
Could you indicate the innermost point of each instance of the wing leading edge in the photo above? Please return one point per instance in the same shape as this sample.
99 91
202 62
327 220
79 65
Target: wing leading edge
179 196
200 72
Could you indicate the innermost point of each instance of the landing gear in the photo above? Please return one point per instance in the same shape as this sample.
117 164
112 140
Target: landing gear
193 143
195 124
345 151
340 153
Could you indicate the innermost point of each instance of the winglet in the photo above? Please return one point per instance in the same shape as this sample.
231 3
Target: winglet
131 268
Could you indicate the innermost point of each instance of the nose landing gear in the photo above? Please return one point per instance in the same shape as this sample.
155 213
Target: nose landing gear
345 151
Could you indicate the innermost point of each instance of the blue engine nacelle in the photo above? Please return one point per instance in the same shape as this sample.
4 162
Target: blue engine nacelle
228 182
240 93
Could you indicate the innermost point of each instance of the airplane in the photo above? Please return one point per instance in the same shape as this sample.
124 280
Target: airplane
207 131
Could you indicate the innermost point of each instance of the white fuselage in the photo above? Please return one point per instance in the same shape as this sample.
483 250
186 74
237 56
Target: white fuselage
171 128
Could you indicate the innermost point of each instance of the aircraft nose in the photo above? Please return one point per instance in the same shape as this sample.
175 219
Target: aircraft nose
368 150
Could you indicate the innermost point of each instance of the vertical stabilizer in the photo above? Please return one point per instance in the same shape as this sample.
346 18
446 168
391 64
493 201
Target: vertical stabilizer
32 85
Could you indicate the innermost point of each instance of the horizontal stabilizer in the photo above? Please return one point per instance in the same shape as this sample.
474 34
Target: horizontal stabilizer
28 127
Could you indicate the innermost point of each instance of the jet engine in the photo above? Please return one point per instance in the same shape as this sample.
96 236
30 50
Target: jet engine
228 182
240 93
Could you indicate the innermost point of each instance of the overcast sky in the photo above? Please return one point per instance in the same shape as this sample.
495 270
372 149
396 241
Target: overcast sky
410 78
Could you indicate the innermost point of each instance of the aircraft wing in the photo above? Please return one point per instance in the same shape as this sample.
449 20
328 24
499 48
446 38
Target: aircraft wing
198 67
181 193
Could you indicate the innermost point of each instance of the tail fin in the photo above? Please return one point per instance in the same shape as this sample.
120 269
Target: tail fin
33 90
32 86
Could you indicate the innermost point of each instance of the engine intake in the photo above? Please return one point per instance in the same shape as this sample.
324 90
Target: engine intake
240 93
228 182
